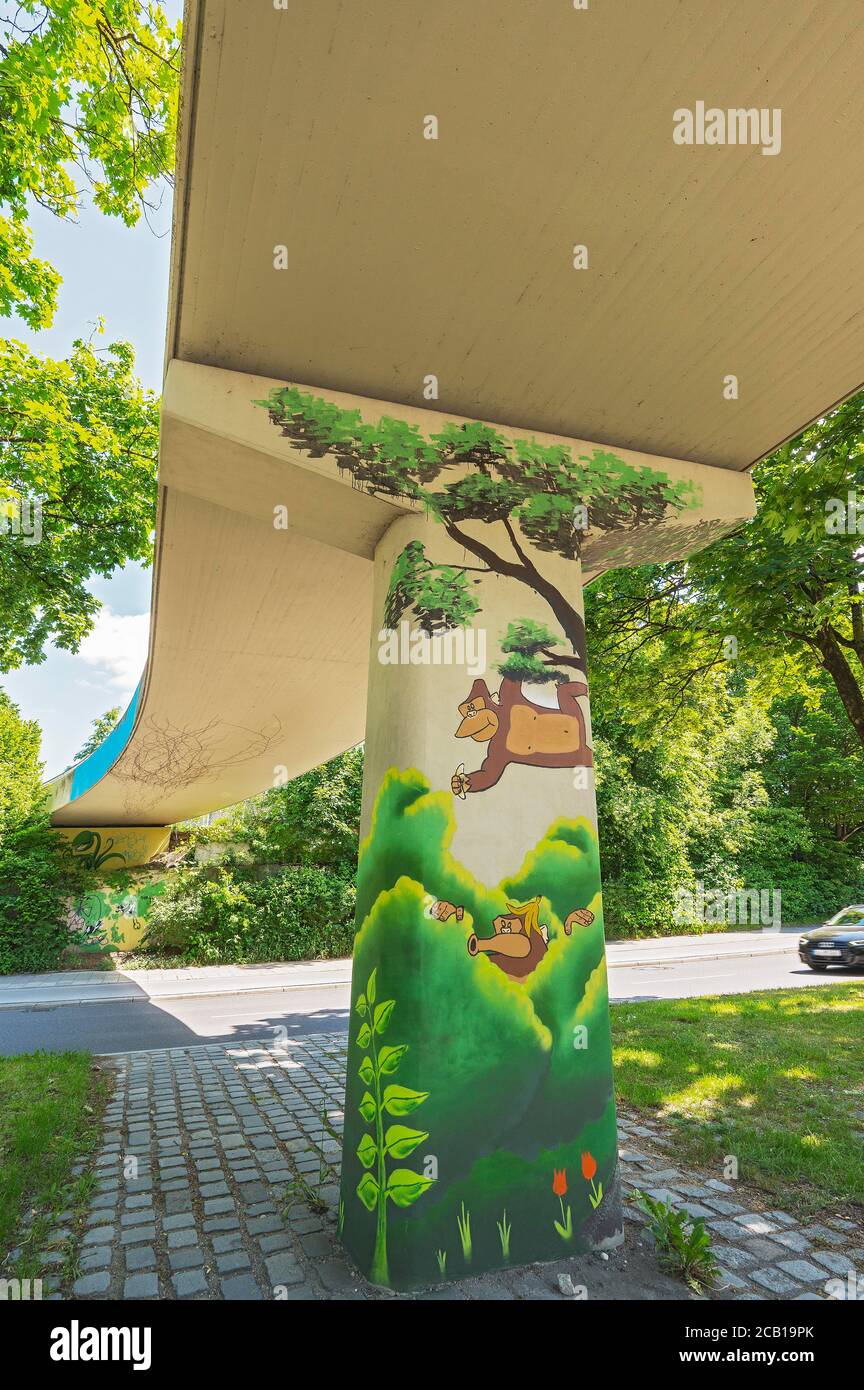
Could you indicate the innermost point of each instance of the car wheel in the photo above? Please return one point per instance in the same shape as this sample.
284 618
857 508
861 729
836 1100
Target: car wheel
819 967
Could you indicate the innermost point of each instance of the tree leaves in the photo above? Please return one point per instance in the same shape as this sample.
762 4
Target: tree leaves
81 437
787 587
100 730
89 93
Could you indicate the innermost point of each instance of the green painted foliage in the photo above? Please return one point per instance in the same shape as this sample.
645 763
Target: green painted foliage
515 479
499 1064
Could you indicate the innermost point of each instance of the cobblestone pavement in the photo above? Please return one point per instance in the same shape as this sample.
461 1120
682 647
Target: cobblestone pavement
200 1195
761 1253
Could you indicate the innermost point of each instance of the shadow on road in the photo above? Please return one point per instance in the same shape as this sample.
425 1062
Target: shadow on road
134 1026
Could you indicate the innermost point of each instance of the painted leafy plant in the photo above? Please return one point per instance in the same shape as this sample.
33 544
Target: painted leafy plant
383 1098
86 849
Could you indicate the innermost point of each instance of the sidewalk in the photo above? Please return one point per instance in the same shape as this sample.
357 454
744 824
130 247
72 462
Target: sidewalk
199 981
111 987
217 1178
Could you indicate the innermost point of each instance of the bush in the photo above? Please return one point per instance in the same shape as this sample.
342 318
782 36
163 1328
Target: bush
314 819
34 885
227 914
35 877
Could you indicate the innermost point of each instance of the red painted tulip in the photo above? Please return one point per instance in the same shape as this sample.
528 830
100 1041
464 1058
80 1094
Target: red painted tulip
589 1166
559 1182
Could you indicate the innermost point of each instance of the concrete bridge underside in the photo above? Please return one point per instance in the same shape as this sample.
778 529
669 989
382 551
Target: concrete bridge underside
406 257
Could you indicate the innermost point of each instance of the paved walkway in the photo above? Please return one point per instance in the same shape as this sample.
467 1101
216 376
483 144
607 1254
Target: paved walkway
218 1178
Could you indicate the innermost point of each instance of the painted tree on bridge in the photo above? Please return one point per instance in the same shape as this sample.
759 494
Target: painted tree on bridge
542 498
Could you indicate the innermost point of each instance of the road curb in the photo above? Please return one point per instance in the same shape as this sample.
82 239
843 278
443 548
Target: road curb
691 956
140 998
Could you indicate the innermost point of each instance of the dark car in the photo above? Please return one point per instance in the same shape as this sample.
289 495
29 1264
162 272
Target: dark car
839 942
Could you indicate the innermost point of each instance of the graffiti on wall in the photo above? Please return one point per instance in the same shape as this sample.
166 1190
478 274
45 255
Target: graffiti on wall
113 918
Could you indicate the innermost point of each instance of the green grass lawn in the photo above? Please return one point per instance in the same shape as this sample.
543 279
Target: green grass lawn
50 1114
775 1079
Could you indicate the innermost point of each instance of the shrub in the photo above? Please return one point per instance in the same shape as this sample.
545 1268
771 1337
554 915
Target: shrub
34 884
35 877
314 819
228 914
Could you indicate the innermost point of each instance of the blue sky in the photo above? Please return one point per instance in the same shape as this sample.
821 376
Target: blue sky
120 274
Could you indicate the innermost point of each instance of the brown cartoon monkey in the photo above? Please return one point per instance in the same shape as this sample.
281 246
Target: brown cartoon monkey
520 940
518 731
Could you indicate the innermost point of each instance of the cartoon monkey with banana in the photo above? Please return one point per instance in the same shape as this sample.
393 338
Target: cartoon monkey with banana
520 940
517 730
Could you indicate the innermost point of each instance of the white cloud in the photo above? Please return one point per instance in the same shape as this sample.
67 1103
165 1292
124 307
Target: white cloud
117 646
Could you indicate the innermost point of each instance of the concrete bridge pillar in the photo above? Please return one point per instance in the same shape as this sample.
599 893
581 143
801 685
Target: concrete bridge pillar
480 1117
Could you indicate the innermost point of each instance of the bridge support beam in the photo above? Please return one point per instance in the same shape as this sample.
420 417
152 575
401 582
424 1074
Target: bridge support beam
480 1118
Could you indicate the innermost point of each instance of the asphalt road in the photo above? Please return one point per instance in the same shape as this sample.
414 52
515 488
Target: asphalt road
127 1026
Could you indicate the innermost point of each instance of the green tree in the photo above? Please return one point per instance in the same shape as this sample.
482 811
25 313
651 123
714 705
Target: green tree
539 491
723 787
99 731
80 437
88 91
818 763
313 821
783 596
35 876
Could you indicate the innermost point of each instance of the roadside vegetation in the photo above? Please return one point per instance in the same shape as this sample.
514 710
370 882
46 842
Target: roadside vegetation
774 1080
285 888
36 878
51 1108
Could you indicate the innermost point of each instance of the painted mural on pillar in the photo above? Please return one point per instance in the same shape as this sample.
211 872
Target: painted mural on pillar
545 500
485 1010
517 730
480 1116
